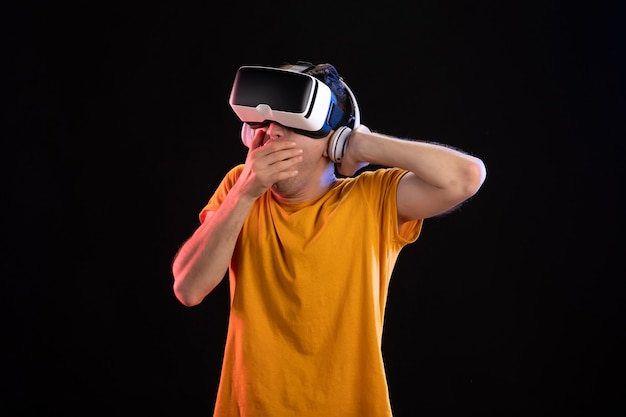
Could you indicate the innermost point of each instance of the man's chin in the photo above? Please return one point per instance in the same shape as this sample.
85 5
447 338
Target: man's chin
279 187
284 187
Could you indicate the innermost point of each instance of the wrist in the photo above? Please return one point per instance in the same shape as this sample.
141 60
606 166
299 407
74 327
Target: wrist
359 141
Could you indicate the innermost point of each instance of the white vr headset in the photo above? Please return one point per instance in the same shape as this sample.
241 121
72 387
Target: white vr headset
296 100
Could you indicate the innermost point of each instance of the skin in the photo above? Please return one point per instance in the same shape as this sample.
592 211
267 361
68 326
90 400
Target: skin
297 168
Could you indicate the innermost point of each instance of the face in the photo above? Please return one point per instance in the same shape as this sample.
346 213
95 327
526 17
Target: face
315 171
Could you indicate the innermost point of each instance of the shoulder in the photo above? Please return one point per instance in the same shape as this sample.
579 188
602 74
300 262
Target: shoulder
231 176
381 175
375 183
222 190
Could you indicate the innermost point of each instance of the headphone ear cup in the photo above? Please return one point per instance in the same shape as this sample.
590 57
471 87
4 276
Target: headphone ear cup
338 143
247 133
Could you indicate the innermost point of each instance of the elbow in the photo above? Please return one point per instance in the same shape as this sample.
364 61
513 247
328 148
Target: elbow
474 176
186 297
192 283
183 290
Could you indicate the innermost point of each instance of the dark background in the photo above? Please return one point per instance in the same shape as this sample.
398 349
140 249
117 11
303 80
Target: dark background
117 130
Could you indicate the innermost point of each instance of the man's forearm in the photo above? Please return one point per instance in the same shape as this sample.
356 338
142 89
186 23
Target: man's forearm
202 261
437 165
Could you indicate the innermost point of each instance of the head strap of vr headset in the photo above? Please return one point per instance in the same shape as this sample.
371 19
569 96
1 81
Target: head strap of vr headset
301 66
337 116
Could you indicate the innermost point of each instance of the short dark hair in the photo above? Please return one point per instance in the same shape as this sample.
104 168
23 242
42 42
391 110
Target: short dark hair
328 74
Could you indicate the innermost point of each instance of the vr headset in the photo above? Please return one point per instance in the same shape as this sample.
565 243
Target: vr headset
290 97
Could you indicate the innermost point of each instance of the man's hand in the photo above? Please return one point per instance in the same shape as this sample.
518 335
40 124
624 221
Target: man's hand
268 163
350 163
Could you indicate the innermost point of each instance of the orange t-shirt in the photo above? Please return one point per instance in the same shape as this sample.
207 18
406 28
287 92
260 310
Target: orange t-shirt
308 287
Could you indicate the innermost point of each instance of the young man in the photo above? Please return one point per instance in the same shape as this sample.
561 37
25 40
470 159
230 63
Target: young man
310 247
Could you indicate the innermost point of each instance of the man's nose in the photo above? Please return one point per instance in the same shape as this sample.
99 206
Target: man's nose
275 130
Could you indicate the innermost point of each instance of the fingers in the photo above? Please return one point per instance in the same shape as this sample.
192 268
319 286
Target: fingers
270 163
274 156
279 155
257 138
350 165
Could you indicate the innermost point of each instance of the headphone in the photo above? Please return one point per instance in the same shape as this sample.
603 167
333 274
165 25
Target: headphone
339 140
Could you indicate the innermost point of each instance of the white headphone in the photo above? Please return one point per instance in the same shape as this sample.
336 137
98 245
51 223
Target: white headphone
339 140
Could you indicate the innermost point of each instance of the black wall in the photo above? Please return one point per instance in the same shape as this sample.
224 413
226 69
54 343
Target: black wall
117 129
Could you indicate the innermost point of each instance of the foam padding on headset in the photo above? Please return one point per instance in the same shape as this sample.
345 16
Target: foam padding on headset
247 133
338 143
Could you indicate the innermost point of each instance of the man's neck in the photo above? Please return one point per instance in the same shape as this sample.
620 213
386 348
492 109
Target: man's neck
313 188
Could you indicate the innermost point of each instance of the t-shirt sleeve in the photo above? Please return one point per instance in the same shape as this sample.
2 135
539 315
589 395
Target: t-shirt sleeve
221 192
381 188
